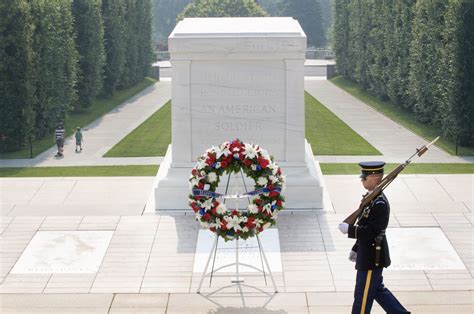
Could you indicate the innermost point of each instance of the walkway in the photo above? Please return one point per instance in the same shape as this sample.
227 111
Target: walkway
148 265
104 133
395 142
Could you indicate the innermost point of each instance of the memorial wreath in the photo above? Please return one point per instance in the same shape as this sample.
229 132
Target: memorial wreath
234 157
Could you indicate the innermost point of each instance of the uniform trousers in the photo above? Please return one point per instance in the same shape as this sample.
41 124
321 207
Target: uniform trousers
370 287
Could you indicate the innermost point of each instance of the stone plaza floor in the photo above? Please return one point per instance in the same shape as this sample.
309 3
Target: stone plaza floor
81 245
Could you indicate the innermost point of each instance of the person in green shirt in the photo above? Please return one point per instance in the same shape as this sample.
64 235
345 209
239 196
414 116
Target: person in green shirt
78 137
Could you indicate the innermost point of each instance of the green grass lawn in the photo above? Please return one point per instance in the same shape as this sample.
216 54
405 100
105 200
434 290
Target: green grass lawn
415 168
329 135
151 170
151 138
88 171
402 117
83 118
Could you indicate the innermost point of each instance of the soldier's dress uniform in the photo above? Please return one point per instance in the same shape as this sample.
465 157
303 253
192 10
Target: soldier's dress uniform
369 231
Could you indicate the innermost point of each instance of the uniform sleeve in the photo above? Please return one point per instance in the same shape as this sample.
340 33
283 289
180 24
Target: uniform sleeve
356 246
378 220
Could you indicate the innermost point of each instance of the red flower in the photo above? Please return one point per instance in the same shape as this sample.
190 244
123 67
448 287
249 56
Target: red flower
195 207
250 222
224 225
207 216
213 211
273 194
279 203
194 172
200 185
263 162
248 162
213 229
197 198
235 212
224 164
270 187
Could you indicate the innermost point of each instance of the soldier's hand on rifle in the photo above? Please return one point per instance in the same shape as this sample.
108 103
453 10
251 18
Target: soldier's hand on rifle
343 227
353 256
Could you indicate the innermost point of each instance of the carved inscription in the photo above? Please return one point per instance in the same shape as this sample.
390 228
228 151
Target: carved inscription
238 99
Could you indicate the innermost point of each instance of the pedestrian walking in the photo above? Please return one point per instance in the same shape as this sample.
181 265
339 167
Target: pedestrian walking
370 252
79 139
59 135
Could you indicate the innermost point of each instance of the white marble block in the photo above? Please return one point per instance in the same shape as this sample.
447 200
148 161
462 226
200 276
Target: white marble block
238 78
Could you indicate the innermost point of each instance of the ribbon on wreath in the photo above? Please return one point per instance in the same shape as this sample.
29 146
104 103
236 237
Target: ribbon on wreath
198 192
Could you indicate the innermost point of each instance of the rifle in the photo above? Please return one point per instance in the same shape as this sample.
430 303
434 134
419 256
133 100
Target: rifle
369 196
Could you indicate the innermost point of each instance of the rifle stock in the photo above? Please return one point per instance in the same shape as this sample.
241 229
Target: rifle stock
368 197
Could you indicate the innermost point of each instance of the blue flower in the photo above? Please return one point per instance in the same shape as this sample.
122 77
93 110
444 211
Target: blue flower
202 211
258 167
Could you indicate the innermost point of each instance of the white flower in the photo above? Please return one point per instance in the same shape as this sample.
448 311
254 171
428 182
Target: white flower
201 164
194 181
205 224
268 208
233 222
207 204
221 209
211 177
254 167
218 165
250 151
223 150
245 229
253 209
216 224
273 179
265 226
262 181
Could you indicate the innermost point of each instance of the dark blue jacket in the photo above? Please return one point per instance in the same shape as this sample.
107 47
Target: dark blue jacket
372 220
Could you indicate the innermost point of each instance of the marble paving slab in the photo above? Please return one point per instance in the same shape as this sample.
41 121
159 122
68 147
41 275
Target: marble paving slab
248 252
72 252
421 249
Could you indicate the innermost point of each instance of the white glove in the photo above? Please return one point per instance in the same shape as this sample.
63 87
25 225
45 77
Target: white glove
344 227
353 256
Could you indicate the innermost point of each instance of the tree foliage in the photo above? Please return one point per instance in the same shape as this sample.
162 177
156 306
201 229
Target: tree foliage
221 8
416 54
90 46
165 13
308 14
16 80
115 40
314 16
52 58
55 62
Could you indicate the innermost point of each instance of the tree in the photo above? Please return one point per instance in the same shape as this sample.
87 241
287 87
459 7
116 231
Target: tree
16 81
113 13
145 49
341 37
90 46
55 62
221 8
132 34
398 50
457 110
308 14
164 19
425 58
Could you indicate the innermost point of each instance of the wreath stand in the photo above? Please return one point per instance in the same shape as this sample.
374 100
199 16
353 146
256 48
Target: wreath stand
238 281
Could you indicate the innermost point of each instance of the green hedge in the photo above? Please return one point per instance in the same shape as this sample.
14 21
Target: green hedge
415 54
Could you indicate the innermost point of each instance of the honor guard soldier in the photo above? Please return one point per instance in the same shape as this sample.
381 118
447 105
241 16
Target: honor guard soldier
370 252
